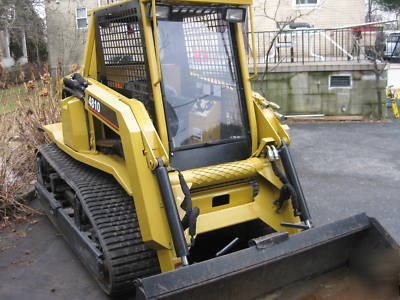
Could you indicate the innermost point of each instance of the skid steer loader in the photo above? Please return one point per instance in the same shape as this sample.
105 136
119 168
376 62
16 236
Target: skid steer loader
169 177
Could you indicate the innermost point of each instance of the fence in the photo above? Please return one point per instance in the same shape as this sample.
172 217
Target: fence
310 45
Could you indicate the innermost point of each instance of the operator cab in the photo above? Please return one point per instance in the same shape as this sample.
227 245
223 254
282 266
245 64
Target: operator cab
201 83
201 79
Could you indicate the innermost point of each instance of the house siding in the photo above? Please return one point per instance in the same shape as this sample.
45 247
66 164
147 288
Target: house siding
66 43
328 14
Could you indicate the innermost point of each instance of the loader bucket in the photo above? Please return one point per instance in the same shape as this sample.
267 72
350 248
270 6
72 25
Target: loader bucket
276 262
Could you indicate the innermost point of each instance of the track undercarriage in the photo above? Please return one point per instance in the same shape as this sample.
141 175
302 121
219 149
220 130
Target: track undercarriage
97 218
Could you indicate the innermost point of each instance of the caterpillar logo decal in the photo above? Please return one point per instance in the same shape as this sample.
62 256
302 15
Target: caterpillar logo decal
104 112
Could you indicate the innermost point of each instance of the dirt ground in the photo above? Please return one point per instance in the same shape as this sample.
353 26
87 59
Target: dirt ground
346 168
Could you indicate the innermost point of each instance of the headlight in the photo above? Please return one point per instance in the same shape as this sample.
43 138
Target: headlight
162 12
235 15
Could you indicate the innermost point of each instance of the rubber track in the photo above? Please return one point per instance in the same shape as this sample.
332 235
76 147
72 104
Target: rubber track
112 214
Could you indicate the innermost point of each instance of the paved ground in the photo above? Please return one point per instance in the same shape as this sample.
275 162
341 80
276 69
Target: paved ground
349 168
345 169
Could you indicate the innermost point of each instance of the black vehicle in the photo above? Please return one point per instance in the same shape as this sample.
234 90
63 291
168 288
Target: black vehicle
392 46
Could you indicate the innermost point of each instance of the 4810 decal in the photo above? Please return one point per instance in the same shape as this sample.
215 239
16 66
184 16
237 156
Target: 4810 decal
94 104
103 112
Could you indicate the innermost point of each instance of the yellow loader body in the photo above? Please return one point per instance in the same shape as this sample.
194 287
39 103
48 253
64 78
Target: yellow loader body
202 158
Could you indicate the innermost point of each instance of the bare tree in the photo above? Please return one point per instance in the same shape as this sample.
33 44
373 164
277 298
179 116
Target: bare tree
20 18
379 66
372 8
281 25
272 13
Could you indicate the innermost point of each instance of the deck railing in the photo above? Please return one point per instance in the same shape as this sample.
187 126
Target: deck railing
302 46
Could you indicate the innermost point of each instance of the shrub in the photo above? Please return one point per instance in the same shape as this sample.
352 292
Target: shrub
20 135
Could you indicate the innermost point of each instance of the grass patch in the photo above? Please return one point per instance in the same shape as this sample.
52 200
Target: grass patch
21 94
9 97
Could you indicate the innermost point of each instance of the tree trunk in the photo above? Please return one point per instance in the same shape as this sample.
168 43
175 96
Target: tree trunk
37 51
369 10
378 95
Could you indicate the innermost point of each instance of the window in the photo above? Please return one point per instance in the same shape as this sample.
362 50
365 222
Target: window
305 3
340 81
81 18
200 80
393 38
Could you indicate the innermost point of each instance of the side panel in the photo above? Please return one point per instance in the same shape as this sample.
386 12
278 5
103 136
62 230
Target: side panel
268 124
74 126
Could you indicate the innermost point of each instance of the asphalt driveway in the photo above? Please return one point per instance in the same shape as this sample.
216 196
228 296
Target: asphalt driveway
346 168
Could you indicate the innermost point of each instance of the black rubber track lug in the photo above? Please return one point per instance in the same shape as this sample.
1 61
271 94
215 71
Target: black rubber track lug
111 213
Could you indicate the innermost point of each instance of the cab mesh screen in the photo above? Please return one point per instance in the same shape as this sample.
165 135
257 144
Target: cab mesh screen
123 53
208 45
